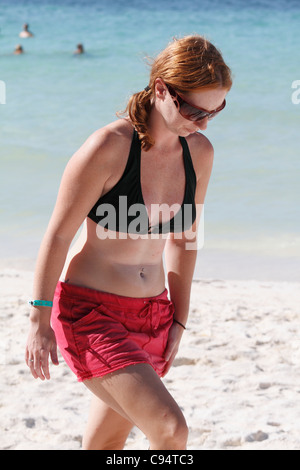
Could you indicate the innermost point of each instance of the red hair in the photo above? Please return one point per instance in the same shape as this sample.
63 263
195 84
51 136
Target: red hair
189 63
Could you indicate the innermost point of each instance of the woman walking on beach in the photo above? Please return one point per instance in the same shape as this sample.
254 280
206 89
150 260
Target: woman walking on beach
136 184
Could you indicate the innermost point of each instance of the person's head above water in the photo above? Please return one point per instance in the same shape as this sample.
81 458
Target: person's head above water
80 49
25 33
18 49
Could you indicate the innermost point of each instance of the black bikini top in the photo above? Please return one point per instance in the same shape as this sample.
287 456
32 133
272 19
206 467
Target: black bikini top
122 208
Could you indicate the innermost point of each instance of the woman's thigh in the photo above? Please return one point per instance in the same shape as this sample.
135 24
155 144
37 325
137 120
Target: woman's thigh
106 429
139 396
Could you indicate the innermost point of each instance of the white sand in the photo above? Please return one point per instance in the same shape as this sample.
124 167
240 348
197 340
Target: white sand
236 376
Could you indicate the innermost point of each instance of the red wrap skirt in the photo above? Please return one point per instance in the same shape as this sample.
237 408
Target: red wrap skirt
98 332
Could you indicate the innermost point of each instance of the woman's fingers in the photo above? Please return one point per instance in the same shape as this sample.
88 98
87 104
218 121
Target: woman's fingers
44 364
30 364
37 355
53 354
175 335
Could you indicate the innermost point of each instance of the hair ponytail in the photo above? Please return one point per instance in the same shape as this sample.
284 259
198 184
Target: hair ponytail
138 110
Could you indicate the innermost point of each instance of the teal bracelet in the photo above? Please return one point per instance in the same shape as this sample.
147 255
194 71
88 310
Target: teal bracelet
41 303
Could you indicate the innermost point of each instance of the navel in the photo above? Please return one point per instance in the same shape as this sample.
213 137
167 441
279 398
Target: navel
142 274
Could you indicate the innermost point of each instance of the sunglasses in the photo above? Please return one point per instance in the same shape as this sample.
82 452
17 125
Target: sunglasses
190 111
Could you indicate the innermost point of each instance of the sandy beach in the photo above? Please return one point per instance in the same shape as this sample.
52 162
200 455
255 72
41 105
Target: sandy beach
236 376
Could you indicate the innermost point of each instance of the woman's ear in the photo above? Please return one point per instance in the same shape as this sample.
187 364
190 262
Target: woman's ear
160 89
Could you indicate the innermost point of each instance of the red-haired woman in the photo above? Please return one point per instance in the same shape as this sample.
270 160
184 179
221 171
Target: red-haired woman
136 184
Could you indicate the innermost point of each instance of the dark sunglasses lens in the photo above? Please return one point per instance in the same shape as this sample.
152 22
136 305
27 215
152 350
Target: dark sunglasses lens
191 113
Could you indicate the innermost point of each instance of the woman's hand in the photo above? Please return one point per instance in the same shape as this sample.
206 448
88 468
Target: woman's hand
175 334
40 343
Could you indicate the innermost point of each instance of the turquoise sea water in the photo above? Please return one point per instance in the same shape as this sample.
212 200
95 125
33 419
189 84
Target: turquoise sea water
55 100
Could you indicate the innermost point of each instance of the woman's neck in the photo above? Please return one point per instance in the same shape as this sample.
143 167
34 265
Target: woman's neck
164 138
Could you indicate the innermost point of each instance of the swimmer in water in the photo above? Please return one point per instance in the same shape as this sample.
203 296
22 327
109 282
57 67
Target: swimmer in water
25 33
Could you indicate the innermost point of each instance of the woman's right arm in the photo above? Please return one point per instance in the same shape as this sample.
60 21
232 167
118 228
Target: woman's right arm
81 186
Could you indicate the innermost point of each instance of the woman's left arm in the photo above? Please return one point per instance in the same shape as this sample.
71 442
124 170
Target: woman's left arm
181 252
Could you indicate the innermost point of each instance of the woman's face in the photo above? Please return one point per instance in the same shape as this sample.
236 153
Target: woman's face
207 100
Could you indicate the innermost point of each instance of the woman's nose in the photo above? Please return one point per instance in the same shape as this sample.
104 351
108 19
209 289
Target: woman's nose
202 124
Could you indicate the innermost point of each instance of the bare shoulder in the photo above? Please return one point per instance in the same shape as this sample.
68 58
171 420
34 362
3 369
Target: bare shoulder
108 141
202 153
106 149
115 133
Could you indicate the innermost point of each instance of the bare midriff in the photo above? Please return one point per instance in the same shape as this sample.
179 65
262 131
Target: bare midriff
131 266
